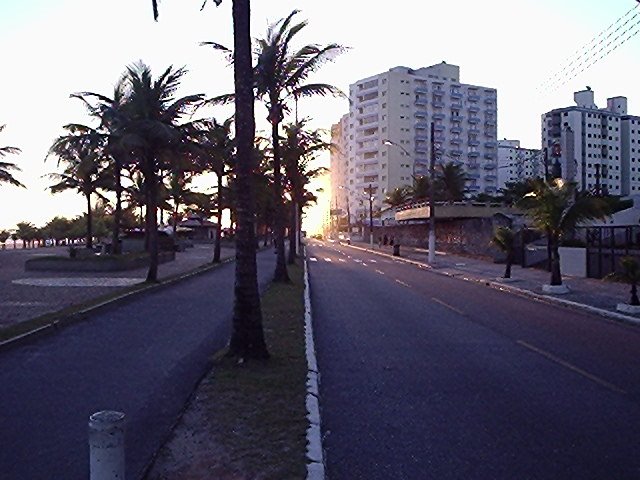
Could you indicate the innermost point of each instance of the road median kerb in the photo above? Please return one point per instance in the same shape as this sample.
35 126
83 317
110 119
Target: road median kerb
515 290
58 324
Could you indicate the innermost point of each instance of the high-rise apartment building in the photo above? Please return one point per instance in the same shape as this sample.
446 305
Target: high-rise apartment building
516 163
598 148
385 137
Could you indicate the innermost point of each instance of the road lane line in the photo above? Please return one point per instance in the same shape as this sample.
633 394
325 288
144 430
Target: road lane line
380 272
450 307
571 367
327 260
341 260
402 283
313 259
373 261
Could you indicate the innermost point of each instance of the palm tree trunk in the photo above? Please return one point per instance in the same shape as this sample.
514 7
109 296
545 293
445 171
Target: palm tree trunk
89 243
556 277
292 234
218 242
117 216
247 336
507 268
281 274
151 183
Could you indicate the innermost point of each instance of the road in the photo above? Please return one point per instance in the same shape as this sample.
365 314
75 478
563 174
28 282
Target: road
143 357
426 376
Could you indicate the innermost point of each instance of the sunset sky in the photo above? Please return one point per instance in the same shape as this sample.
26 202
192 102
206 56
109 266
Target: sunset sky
53 49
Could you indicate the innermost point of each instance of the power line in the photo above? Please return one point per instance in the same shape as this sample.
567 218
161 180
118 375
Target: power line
594 43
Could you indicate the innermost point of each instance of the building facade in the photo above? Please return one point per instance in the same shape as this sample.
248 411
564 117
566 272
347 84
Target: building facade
386 140
598 148
516 163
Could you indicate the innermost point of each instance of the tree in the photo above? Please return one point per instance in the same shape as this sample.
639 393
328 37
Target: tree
398 196
5 167
630 274
556 209
58 229
450 182
504 239
4 236
81 153
513 192
419 191
26 232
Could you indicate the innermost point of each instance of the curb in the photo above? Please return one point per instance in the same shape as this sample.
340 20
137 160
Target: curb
515 290
58 324
315 454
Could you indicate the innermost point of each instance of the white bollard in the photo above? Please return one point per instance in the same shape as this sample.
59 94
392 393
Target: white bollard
106 445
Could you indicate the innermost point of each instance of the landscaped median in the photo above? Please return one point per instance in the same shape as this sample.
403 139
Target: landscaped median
249 421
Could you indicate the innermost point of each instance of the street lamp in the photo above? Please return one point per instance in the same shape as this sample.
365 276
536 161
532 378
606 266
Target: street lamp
342 187
432 216
369 190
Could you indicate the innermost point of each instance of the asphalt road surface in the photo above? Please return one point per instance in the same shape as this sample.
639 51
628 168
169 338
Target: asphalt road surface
143 358
425 376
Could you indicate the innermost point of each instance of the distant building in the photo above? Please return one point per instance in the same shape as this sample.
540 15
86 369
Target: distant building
398 107
516 163
598 148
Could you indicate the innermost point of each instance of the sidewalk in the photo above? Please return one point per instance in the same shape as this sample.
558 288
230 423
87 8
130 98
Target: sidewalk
598 296
28 295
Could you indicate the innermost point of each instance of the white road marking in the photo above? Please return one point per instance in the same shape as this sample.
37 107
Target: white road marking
402 283
327 260
313 259
571 367
380 272
357 260
341 260
364 264
444 304
373 261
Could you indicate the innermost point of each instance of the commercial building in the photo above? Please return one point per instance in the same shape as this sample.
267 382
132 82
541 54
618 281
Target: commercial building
598 148
385 138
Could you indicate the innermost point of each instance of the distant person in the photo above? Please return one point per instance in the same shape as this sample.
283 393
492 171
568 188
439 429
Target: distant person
391 241
379 242
385 240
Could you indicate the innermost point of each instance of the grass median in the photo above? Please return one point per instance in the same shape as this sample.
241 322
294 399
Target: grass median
249 421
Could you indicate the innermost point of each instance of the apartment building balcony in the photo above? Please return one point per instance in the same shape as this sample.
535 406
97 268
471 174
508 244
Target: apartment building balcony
490 166
490 156
473 143
455 94
473 154
489 101
420 150
490 189
421 125
422 138
437 104
490 111
421 114
455 130
438 116
490 178
421 90
474 120
369 149
421 102
490 144
474 131
366 161
473 108
455 141
474 98
473 175
457 118
490 123
490 133
456 153
457 105
472 166
438 127
366 184
438 91
473 188
366 103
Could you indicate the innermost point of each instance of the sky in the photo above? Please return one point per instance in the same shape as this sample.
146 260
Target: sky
53 49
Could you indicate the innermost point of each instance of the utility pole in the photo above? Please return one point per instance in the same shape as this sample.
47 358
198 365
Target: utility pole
432 216
370 191
546 164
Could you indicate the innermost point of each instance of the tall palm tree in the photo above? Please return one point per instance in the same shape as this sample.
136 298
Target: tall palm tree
280 76
152 135
247 336
5 167
420 189
397 196
81 151
556 209
504 239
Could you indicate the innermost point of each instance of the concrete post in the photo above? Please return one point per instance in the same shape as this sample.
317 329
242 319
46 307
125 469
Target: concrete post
106 445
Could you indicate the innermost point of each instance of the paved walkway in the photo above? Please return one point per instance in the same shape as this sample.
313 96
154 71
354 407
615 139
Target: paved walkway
26 295
584 292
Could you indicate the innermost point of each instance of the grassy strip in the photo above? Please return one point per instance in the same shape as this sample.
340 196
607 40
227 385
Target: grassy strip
249 421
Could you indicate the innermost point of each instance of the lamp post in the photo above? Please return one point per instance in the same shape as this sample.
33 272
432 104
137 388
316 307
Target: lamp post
342 187
370 192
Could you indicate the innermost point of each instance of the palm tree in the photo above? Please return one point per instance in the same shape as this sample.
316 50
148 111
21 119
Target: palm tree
398 196
152 135
5 167
504 239
26 232
450 182
419 191
247 336
556 209
82 154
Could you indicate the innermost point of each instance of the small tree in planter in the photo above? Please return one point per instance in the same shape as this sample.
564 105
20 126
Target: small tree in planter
504 238
630 274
